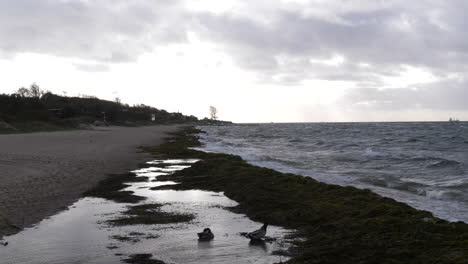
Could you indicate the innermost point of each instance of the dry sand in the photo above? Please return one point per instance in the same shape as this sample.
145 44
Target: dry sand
42 173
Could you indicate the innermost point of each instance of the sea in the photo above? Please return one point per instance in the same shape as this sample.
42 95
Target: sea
423 164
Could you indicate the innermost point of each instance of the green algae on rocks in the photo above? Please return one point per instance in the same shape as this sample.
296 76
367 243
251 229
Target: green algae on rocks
337 224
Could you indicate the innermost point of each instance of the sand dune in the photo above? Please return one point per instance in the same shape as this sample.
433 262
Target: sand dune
42 173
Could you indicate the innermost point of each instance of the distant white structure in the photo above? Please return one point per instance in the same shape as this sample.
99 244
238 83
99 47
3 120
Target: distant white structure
213 113
153 117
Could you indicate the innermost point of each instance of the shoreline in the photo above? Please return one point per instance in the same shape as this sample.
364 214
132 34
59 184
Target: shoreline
43 173
335 224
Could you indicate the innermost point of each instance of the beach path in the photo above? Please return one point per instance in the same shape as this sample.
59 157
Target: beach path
43 173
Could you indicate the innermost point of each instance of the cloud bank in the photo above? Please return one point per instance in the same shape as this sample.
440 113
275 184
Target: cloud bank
288 42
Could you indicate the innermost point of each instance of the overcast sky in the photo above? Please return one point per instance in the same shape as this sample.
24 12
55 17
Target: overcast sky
256 61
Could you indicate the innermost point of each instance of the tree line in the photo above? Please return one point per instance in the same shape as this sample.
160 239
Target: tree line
36 104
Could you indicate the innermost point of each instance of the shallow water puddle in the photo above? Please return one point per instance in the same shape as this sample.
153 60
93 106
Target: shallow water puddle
80 234
72 236
159 169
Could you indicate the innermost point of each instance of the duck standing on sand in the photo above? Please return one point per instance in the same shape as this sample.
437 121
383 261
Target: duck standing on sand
258 234
206 234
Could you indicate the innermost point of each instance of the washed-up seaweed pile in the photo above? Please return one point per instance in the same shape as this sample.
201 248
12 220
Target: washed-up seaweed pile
336 224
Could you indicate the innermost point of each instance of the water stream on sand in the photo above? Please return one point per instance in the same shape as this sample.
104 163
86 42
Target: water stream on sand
81 234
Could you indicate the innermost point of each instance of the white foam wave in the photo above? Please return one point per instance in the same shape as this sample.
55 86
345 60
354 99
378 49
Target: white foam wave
438 194
371 153
411 182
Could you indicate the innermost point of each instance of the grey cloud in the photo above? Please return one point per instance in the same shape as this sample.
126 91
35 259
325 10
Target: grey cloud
378 37
446 95
111 31
87 67
385 34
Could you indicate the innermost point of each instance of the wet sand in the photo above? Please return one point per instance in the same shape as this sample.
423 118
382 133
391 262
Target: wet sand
87 233
43 173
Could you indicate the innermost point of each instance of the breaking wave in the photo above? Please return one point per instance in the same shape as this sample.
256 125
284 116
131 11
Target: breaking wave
405 161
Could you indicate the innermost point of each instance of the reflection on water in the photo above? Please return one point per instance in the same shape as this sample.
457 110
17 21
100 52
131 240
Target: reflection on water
80 235
259 244
173 161
67 237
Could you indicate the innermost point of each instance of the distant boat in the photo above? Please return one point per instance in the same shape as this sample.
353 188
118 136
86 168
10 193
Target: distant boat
451 120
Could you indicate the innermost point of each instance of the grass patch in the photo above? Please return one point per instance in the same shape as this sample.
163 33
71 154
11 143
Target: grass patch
149 214
339 224
110 188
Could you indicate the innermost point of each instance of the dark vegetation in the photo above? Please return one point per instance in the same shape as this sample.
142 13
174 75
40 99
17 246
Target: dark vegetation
142 214
149 214
142 259
129 238
336 224
133 237
33 109
6 227
111 188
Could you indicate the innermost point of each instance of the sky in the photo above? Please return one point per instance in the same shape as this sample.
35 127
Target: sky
255 61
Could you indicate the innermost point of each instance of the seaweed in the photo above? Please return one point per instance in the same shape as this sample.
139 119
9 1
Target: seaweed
142 259
336 224
6 227
134 237
111 187
149 214
128 238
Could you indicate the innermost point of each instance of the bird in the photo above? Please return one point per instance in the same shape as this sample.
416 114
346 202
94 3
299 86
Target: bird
4 243
206 234
258 234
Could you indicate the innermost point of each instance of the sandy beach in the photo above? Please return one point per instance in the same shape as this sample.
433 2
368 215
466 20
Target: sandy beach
42 173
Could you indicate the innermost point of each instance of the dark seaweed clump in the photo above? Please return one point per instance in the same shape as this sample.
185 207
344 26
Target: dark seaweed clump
337 224
149 214
142 259
6 227
129 238
110 188
134 237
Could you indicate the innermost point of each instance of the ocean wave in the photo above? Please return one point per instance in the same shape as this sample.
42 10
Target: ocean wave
346 158
442 195
296 140
443 163
455 184
395 183
319 143
415 188
423 158
374 154
279 160
421 164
